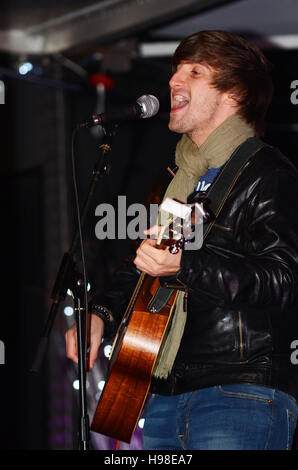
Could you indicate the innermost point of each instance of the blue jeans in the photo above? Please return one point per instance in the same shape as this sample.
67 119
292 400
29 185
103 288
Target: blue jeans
226 417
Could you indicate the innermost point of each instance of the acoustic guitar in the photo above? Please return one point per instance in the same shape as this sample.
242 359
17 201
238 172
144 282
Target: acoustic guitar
137 345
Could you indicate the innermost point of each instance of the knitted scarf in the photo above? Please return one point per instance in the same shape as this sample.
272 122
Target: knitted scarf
193 162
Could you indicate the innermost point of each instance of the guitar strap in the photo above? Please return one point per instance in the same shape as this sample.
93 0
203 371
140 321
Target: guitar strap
228 176
217 194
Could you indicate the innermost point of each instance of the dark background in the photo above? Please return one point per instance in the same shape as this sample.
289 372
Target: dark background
39 410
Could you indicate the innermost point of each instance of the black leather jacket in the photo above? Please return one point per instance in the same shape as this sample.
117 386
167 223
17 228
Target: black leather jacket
242 287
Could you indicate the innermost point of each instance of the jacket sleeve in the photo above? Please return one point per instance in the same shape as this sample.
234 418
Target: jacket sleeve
116 297
258 267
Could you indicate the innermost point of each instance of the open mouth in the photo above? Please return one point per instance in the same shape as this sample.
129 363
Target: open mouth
178 102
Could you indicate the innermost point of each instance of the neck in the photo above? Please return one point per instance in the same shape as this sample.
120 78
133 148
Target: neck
199 136
216 148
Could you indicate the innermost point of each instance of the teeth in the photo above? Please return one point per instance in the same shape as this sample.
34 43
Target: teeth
180 98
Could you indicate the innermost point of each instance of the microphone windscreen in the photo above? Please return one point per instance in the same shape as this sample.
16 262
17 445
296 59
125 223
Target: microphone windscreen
149 105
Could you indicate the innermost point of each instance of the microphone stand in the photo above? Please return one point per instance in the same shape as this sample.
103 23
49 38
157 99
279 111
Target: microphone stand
69 278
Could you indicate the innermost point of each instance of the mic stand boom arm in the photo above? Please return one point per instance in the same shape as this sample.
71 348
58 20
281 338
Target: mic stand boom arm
68 278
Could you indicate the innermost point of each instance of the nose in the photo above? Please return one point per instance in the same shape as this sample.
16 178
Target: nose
177 79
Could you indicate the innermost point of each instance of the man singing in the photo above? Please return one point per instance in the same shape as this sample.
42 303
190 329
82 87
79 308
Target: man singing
225 380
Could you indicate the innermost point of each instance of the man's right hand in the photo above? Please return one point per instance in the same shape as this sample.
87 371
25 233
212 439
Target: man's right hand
96 327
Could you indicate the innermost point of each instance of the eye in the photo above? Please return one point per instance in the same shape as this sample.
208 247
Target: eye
195 72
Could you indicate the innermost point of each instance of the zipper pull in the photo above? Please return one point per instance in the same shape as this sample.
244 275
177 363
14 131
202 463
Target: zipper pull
185 300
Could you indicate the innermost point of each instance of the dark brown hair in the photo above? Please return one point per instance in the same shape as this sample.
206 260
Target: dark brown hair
239 67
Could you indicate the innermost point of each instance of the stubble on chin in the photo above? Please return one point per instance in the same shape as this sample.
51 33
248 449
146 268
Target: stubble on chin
176 126
181 128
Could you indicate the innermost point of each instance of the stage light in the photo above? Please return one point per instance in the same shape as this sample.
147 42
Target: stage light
107 350
101 384
68 311
141 423
25 68
76 384
70 293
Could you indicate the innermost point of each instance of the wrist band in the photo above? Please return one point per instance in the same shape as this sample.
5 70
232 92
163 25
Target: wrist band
102 312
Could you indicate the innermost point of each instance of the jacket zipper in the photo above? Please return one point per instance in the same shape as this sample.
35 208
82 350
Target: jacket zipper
240 334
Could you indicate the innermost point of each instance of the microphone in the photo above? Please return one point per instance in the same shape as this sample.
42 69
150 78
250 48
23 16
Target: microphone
146 106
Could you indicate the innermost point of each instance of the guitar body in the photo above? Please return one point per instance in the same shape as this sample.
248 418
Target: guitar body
135 351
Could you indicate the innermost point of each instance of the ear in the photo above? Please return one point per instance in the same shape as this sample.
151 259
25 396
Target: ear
230 99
